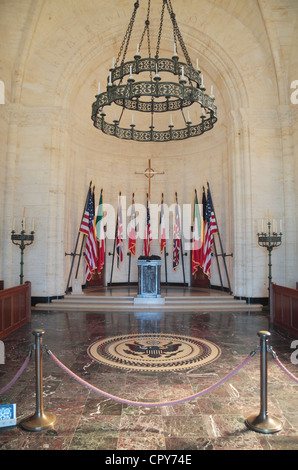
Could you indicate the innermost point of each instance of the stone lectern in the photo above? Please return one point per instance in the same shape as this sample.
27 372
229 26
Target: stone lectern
149 276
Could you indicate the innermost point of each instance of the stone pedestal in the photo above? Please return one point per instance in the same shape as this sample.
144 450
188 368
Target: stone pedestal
149 277
76 287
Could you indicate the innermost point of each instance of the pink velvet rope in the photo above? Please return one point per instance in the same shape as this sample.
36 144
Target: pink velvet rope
149 404
285 370
18 374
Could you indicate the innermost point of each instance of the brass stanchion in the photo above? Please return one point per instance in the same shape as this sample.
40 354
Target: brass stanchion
263 422
39 420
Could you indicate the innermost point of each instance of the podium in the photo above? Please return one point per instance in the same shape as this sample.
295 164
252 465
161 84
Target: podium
149 268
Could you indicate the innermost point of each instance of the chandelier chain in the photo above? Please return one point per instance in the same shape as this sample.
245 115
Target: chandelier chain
127 35
149 50
177 31
160 29
147 23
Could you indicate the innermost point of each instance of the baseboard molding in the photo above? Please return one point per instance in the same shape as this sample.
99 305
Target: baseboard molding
249 300
44 300
254 300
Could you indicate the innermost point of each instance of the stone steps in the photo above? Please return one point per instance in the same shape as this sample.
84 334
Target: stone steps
174 303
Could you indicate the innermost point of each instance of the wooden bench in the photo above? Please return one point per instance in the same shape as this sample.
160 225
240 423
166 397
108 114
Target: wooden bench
284 307
15 308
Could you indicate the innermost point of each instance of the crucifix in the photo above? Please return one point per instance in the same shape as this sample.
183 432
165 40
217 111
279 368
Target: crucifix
149 173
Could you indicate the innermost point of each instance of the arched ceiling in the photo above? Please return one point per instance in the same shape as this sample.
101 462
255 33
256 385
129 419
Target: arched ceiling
67 47
69 34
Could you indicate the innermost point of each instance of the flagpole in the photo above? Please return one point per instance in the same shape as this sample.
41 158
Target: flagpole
165 251
203 229
217 262
223 254
129 253
181 246
116 228
76 245
100 238
129 263
166 269
80 256
146 234
193 229
147 238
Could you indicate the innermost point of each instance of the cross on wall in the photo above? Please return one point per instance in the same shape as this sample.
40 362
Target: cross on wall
149 173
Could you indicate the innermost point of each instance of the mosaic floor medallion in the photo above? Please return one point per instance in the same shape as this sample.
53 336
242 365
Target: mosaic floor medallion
154 352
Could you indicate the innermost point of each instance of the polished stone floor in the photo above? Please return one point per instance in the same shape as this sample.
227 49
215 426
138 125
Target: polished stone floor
87 420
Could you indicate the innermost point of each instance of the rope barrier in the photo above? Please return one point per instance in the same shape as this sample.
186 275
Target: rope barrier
18 374
262 422
289 374
149 404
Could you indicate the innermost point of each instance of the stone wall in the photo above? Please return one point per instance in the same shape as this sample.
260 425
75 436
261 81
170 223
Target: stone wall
56 53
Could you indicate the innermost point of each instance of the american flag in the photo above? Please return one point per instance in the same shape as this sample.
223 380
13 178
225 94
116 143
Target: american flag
132 231
176 238
148 234
84 228
210 230
119 234
88 228
203 226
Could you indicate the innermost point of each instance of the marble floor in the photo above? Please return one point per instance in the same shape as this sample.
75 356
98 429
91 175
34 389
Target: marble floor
87 420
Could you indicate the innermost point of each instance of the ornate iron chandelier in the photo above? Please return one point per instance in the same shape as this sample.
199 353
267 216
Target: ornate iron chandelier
153 96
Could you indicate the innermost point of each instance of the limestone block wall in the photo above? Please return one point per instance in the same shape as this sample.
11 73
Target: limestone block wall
55 55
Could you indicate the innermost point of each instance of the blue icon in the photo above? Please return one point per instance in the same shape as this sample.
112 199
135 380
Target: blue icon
7 415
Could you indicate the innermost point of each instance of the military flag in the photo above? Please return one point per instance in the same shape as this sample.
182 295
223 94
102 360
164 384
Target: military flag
176 237
100 235
119 241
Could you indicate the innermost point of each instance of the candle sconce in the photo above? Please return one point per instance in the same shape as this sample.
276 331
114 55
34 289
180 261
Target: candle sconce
22 240
269 240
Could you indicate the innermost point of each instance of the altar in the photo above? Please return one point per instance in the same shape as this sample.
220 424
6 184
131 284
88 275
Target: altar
149 268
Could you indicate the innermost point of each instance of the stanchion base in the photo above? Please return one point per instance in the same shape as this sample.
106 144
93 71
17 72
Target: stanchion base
267 425
38 422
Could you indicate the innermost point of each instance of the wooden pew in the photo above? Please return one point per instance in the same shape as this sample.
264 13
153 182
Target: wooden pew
15 308
284 307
